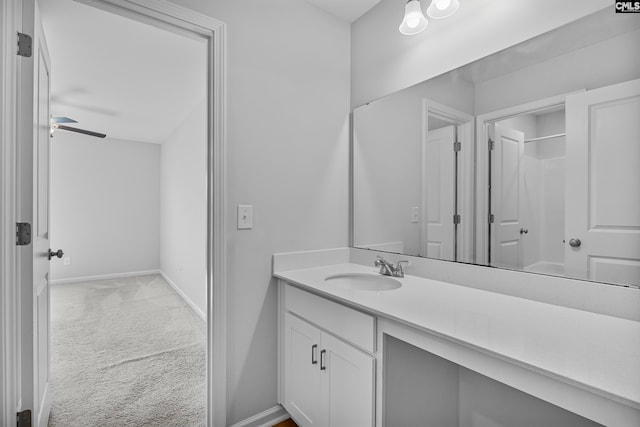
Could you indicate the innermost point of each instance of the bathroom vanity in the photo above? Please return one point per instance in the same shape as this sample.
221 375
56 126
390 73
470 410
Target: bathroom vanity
487 164
367 350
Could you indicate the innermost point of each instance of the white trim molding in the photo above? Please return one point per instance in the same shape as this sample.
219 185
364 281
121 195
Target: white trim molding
167 15
103 277
266 418
10 16
201 314
161 273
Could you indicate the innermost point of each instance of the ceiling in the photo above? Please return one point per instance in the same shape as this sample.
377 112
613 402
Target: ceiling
571 37
346 10
131 80
121 77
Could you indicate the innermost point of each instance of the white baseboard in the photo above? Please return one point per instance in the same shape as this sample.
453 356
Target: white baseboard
184 296
103 277
266 418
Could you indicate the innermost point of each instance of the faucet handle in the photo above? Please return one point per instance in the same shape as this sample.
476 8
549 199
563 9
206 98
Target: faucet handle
379 261
399 266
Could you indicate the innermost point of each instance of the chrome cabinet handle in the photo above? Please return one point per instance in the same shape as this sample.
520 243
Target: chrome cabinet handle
524 231
314 354
575 243
322 365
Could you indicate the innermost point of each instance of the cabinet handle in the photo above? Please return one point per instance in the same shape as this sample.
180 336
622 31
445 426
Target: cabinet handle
314 354
322 365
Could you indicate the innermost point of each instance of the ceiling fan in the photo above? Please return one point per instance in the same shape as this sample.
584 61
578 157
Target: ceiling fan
57 123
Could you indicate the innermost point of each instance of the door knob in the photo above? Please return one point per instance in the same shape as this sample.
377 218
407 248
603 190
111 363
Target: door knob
524 231
57 253
575 243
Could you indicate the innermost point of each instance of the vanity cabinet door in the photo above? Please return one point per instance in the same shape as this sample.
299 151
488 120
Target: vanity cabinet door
302 388
328 376
347 384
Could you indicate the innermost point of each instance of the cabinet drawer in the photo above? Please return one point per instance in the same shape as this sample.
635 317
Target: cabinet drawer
349 324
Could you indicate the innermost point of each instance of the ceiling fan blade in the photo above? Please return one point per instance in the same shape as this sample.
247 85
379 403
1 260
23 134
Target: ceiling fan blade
78 130
62 119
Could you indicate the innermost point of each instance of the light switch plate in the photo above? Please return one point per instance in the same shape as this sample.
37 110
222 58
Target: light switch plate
245 217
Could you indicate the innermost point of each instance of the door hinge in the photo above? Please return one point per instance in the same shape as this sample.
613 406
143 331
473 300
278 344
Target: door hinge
23 233
456 219
457 146
24 418
492 218
25 45
492 144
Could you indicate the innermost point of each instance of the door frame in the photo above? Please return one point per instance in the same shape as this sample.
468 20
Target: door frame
10 366
482 159
168 16
464 123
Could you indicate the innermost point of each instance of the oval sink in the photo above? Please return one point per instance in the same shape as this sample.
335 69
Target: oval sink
363 282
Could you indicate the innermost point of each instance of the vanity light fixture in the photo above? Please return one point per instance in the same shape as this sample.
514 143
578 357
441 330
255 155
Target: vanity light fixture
415 22
442 8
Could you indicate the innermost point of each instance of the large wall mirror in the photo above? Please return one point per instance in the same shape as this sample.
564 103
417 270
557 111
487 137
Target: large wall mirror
527 159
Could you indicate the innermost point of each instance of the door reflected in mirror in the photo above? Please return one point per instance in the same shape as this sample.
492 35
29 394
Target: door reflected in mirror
526 159
527 191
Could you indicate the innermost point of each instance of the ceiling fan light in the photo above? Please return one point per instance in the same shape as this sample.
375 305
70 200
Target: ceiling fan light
414 21
439 9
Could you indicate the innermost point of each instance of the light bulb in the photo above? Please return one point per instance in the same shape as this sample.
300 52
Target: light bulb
414 21
442 8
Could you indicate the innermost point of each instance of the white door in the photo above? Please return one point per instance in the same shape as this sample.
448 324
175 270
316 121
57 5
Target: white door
507 184
34 137
347 384
302 372
602 197
439 194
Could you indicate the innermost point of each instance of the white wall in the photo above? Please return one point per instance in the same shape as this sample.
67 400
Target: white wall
384 61
387 134
183 207
105 201
287 155
570 72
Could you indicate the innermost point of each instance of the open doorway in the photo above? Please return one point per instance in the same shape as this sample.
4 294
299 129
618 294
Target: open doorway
30 363
528 191
128 305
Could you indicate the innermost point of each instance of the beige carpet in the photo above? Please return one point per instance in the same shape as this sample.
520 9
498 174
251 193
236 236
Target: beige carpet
126 352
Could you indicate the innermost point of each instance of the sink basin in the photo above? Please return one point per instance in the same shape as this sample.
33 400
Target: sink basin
363 282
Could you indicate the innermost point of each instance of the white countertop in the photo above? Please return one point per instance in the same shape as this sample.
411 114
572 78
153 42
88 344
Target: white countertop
595 352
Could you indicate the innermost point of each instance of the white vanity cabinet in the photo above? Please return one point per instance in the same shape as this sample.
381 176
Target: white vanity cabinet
445 354
327 369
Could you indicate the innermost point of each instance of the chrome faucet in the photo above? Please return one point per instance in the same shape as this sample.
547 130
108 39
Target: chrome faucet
388 269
